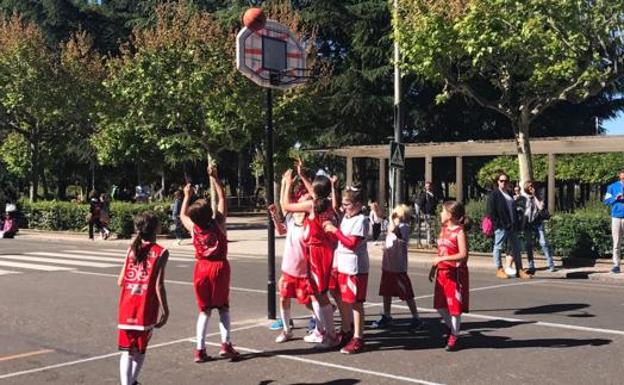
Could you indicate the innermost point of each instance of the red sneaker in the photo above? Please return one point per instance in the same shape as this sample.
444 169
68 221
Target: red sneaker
228 351
356 345
452 345
200 356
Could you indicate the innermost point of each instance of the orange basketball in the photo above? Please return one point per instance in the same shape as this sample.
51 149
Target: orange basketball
254 19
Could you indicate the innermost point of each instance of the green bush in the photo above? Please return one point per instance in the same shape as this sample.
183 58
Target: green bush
56 216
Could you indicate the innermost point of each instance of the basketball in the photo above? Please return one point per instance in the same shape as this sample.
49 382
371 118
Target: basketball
254 19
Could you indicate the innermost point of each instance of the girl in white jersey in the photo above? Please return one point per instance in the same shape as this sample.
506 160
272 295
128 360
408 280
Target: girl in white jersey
352 261
394 279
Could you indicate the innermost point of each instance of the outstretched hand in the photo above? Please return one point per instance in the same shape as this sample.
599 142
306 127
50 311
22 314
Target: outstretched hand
188 190
212 171
334 180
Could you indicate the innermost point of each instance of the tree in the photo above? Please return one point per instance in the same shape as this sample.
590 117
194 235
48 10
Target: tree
515 58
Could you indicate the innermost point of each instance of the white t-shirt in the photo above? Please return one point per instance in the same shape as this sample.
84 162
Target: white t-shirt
294 261
395 251
353 261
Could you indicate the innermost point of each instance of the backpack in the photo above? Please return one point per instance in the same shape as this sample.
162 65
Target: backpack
487 227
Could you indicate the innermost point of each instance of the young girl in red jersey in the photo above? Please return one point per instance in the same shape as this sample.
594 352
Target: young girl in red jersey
142 282
321 250
211 277
351 257
394 279
451 282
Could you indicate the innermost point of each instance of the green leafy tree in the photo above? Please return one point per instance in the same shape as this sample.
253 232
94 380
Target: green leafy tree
515 58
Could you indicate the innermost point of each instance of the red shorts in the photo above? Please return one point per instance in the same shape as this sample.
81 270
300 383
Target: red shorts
134 340
320 268
211 281
396 285
294 287
353 287
451 291
333 280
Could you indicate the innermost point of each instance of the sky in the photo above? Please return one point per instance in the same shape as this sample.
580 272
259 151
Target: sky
615 126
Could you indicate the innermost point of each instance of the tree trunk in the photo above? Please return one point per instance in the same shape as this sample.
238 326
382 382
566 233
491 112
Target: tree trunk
523 146
34 167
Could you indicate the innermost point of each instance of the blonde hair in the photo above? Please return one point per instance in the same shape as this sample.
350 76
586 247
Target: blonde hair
402 212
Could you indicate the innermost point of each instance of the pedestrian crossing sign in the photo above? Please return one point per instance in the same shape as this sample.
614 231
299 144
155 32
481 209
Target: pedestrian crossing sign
397 155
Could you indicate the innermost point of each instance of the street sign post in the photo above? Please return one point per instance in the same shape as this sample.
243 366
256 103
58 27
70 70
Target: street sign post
397 155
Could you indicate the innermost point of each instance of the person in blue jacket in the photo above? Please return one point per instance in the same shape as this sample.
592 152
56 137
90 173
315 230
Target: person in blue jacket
615 198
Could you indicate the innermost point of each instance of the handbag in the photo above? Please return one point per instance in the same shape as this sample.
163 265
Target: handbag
487 227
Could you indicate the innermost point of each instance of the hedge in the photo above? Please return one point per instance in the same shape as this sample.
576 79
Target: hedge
58 216
585 233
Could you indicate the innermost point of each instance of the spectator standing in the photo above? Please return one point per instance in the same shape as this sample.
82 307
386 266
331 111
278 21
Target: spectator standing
534 215
427 203
176 207
105 215
376 217
502 210
95 210
615 199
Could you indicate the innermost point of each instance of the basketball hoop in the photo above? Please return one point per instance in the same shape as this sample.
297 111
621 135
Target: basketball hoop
271 56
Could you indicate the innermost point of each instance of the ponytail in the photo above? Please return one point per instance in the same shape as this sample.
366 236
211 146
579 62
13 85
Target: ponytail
146 225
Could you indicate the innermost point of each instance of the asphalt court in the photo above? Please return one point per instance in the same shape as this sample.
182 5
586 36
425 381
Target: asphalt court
59 328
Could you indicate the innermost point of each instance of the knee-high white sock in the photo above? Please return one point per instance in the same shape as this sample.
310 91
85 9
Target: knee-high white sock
202 324
316 307
446 317
286 318
224 325
125 369
137 364
455 324
328 319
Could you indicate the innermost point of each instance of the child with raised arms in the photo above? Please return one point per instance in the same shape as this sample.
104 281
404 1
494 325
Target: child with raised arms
293 282
394 279
211 276
451 270
142 282
321 251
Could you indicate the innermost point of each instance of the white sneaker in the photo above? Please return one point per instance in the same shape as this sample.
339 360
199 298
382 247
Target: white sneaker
283 337
315 337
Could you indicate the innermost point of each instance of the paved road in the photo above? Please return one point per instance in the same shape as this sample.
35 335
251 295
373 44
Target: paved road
58 317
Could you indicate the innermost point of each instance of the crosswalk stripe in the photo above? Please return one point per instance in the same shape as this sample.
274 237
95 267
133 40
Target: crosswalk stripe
117 261
32 266
71 252
58 261
4 272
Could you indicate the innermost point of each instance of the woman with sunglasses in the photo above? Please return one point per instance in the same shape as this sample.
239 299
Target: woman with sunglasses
501 208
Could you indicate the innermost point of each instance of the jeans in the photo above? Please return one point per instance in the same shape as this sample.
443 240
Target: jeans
428 227
532 230
178 228
617 228
501 237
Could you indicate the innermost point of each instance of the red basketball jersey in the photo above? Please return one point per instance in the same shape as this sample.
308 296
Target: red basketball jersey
448 245
210 243
314 235
138 302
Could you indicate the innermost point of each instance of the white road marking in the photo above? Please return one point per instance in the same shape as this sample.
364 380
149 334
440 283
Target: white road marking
120 257
58 261
185 283
32 266
116 261
4 272
24 355
528 322
336 366
104 356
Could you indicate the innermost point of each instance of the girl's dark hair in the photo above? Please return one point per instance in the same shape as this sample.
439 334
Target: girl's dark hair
201 213
354 196
457 211
321 186
146 224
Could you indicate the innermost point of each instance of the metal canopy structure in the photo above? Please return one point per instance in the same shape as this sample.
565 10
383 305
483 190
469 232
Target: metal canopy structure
459 150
